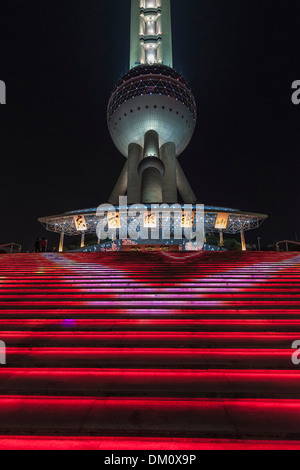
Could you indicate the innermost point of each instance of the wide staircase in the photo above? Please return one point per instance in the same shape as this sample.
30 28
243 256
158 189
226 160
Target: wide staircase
157 351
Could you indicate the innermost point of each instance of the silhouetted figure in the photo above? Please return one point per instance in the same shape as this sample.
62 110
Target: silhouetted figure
44 245
37 245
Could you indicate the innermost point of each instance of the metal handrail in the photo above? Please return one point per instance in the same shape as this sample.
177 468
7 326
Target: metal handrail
287 242
12 246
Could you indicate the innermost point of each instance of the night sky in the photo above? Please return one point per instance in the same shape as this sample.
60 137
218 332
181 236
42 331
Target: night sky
60 60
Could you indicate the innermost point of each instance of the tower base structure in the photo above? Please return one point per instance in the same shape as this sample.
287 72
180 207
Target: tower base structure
237 222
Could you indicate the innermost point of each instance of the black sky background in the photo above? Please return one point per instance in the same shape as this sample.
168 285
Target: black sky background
60 61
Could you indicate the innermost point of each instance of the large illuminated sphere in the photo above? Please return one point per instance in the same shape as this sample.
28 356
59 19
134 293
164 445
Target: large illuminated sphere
151 97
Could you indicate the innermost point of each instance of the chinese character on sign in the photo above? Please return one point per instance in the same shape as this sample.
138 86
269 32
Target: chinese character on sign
222 221
187 220
150 220
113 219
80 223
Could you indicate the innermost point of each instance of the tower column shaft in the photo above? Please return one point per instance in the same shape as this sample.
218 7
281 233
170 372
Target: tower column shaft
151 146
152 170
184 186
135 154
135 46
151 186
169 183
166 26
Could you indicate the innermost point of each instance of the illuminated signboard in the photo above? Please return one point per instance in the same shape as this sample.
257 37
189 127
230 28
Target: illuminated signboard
222 221
187 219
80 223
113 219
150 220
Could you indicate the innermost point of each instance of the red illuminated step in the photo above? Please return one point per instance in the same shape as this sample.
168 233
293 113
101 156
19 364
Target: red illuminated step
151 325
138 443
50 284
153 417
151 313
152 382
182 292
228 340
183 350
151 358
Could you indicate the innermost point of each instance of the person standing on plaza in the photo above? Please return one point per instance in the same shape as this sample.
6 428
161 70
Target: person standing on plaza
44 245
37 245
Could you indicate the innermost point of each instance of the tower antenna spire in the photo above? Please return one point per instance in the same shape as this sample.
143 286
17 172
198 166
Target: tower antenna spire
152 113
151 33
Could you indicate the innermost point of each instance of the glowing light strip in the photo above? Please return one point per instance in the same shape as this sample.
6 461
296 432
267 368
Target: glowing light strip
138 443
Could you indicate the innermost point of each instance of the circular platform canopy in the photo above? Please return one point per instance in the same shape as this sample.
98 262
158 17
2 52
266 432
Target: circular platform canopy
236 221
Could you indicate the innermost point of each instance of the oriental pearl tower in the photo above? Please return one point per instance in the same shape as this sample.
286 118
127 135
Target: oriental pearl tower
151 113
151 118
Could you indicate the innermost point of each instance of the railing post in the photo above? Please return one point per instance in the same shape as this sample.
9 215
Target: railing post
82 240
221 238
61 242
244 247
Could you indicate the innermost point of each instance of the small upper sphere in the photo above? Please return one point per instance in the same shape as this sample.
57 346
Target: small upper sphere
151 97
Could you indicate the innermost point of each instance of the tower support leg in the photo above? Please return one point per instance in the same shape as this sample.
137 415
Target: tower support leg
169 183
184 186
121 187
135 154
